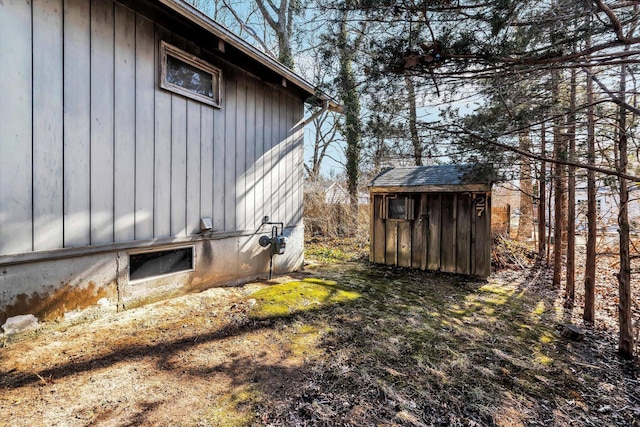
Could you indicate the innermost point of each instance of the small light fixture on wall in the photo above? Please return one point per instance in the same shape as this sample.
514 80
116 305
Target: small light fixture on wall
205 224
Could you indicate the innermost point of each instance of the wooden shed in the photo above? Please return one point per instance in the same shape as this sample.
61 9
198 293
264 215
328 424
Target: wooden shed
432 218
141 147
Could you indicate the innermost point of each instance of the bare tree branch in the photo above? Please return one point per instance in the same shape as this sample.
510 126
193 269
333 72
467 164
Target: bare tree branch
612 95
530 155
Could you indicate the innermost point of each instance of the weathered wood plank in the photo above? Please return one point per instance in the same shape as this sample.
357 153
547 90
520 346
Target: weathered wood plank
193 167
298 113
276 177
419 234
102 85
391 242
124 124
445 188
259 210
250 156
77 119
162 152
448 237
145 126
404 243
463 234
379 238
372 229
241 150
289 165
206 161
48 220
481 262
178 165
219 157
231 142
16 210
434 210
268 157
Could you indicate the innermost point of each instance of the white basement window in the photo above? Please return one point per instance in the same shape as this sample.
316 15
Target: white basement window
189 75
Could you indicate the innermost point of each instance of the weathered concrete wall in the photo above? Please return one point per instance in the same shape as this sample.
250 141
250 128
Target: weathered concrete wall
50 288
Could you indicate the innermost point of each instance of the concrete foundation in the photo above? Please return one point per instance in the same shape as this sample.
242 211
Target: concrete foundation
48 285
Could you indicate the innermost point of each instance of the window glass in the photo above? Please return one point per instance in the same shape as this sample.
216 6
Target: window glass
397 208
189 77
149 264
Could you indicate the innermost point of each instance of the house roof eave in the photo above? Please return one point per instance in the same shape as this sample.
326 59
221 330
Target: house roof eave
192 14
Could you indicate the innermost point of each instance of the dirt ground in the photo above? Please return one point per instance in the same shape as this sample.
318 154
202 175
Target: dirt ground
412 348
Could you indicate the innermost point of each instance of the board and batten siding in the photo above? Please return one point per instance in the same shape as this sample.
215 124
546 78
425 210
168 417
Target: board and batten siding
449 232
93 152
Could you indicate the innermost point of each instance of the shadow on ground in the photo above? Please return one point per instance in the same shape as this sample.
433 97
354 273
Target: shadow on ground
407 348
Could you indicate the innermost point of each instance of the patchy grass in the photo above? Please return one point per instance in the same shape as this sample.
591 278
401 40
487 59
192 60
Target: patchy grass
233 409
340 344
292 297
328 251
419 348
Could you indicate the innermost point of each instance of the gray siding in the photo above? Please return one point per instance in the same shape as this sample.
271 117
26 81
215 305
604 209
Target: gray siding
93 152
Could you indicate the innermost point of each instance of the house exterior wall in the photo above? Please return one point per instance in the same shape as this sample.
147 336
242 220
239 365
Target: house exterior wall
97 160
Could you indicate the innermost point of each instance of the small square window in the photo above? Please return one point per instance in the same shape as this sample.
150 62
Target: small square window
189 75
399 207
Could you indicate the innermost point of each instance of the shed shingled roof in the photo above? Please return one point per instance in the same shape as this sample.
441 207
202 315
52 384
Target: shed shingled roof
429 175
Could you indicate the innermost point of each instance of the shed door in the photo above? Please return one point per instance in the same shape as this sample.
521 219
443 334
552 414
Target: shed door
448 232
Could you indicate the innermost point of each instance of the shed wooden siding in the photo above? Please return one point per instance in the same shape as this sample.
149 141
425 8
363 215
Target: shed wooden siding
93 152
449 233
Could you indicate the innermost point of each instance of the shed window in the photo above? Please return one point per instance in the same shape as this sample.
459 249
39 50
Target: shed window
399 208
189 75
159 263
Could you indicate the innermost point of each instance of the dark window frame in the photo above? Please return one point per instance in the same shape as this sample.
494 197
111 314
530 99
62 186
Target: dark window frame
160 251
409 206
167 50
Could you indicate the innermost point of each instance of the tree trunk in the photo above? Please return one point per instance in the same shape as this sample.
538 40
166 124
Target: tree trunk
413 121
352 128
542 206
525 223
570 290
558 229
559 212
282 26
590 261
625 344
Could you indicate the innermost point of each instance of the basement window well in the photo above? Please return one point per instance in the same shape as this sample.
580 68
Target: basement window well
189 75
159 263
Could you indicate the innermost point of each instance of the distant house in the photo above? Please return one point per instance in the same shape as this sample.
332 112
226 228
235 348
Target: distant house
337 194
142 145
432 218
507 198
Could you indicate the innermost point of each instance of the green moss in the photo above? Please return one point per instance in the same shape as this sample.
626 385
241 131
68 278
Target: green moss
292 297
497 289
546 338
328 255
539 310
234 409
